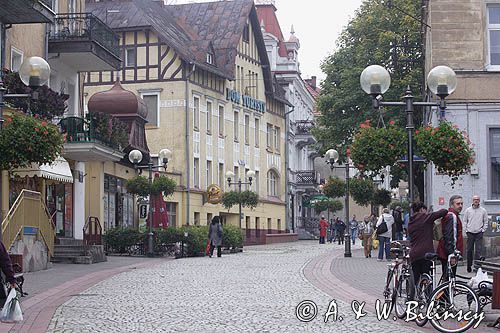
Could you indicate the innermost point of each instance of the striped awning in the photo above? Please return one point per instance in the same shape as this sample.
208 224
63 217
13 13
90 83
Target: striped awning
57 170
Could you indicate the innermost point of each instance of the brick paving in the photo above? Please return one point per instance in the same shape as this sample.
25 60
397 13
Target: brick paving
254 291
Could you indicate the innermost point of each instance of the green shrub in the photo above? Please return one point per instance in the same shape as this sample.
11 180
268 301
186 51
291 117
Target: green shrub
232 237
169 235
120 239
197 239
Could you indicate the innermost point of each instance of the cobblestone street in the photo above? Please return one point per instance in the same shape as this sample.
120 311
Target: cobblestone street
254 291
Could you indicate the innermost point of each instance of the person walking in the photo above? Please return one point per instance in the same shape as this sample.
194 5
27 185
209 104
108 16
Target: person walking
397 231
452 240
385 237
475 224
354 229
323 225
420 230
340 230
215 236
366 230
331 229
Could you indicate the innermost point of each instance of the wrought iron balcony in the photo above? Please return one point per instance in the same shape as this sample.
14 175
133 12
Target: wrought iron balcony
304 126
306 178
86 143
84 42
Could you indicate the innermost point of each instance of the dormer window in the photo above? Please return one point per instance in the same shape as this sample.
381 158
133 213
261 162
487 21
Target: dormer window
210 58
246 33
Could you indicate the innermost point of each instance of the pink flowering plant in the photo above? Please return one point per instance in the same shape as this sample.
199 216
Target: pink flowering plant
374 148
447 147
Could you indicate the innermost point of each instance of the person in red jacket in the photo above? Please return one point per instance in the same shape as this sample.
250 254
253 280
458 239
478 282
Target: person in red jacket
452 234
323 225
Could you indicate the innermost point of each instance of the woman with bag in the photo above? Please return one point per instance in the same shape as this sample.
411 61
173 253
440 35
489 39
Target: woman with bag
384 232
215 236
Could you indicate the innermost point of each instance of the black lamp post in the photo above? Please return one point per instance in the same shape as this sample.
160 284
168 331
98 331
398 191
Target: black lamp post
442 81
332 157
230 175
135 157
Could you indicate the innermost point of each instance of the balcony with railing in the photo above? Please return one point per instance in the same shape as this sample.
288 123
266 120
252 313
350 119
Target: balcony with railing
85 142
84 42
25 11
303 133
307 179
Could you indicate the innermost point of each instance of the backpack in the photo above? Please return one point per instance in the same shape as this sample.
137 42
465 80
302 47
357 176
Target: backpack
437 230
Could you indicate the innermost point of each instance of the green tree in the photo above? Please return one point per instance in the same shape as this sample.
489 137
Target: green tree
378 34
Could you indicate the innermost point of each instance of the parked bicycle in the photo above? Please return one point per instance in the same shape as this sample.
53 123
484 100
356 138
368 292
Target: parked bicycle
451 306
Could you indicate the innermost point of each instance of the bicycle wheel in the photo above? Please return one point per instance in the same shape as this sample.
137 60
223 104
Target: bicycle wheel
463 301
402 296
424 292
389 292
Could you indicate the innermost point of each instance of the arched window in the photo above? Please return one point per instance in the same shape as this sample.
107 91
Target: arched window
272 184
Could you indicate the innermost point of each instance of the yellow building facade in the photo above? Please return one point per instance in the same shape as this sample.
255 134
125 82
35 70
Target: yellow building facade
213 120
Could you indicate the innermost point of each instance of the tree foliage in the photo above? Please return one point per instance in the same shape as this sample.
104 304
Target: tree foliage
334 187
378 34
140 186
329 205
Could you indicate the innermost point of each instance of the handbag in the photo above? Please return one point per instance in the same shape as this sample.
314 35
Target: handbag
382 228
207 249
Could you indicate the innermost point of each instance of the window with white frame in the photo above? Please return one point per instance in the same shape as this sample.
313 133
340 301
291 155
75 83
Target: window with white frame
130 57
209 173
270 135
196 112
152 101
247 129
16 59
494 34
222 174
196 173
257 182
276 138
236 120
272 184
257 132
221 120
209 116
495 163
210 58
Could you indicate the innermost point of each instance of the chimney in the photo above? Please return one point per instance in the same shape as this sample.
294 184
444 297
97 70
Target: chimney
312 81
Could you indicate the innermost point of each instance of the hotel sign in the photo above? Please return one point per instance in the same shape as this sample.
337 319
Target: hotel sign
244 100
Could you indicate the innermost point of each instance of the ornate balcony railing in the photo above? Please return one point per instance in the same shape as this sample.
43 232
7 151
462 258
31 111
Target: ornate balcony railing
84 27
304 126
306 177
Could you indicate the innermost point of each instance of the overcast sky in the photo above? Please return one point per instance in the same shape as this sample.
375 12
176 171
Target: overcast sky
317 24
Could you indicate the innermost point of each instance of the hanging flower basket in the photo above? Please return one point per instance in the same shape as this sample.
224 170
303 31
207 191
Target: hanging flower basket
361 190
334 188
448 148
330 205
246 198
140 186
376 148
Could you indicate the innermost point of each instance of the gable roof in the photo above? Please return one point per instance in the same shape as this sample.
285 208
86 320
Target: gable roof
267 15
190 29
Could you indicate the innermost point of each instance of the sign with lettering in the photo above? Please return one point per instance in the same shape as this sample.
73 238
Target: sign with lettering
245 100
214 194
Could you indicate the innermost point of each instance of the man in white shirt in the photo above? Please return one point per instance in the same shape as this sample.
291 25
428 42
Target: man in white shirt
475 224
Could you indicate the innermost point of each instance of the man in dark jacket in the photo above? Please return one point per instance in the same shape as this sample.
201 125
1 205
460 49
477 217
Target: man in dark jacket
397 230
452 234
420 230
340 230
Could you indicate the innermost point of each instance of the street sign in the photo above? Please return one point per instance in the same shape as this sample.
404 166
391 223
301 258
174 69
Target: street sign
143 211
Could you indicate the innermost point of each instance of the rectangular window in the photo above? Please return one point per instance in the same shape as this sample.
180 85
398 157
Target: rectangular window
270 136
222 175
209 117
236 120
247 186
247 226
495 163
196 113
196 218
257 227
130 58
279 225
257 132
269 226
221 120
257 182
246 33
209 218
172 214
236 171
494 34
209 173
210 58
196 173
16 59
247 129
276 138
152 102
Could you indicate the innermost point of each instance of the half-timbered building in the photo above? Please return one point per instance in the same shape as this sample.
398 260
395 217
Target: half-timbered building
203 71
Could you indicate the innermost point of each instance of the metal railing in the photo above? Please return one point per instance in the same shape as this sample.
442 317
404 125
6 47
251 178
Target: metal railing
84 27
28 210
92 231
306 177
310 224
80 130
304 126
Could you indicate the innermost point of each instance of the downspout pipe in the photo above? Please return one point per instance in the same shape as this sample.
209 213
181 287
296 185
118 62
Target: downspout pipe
188 155
288 192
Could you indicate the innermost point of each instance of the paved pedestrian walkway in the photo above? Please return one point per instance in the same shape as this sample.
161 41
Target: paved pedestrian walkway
258 290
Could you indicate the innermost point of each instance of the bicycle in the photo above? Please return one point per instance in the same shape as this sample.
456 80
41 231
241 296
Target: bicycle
451 300
399 281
